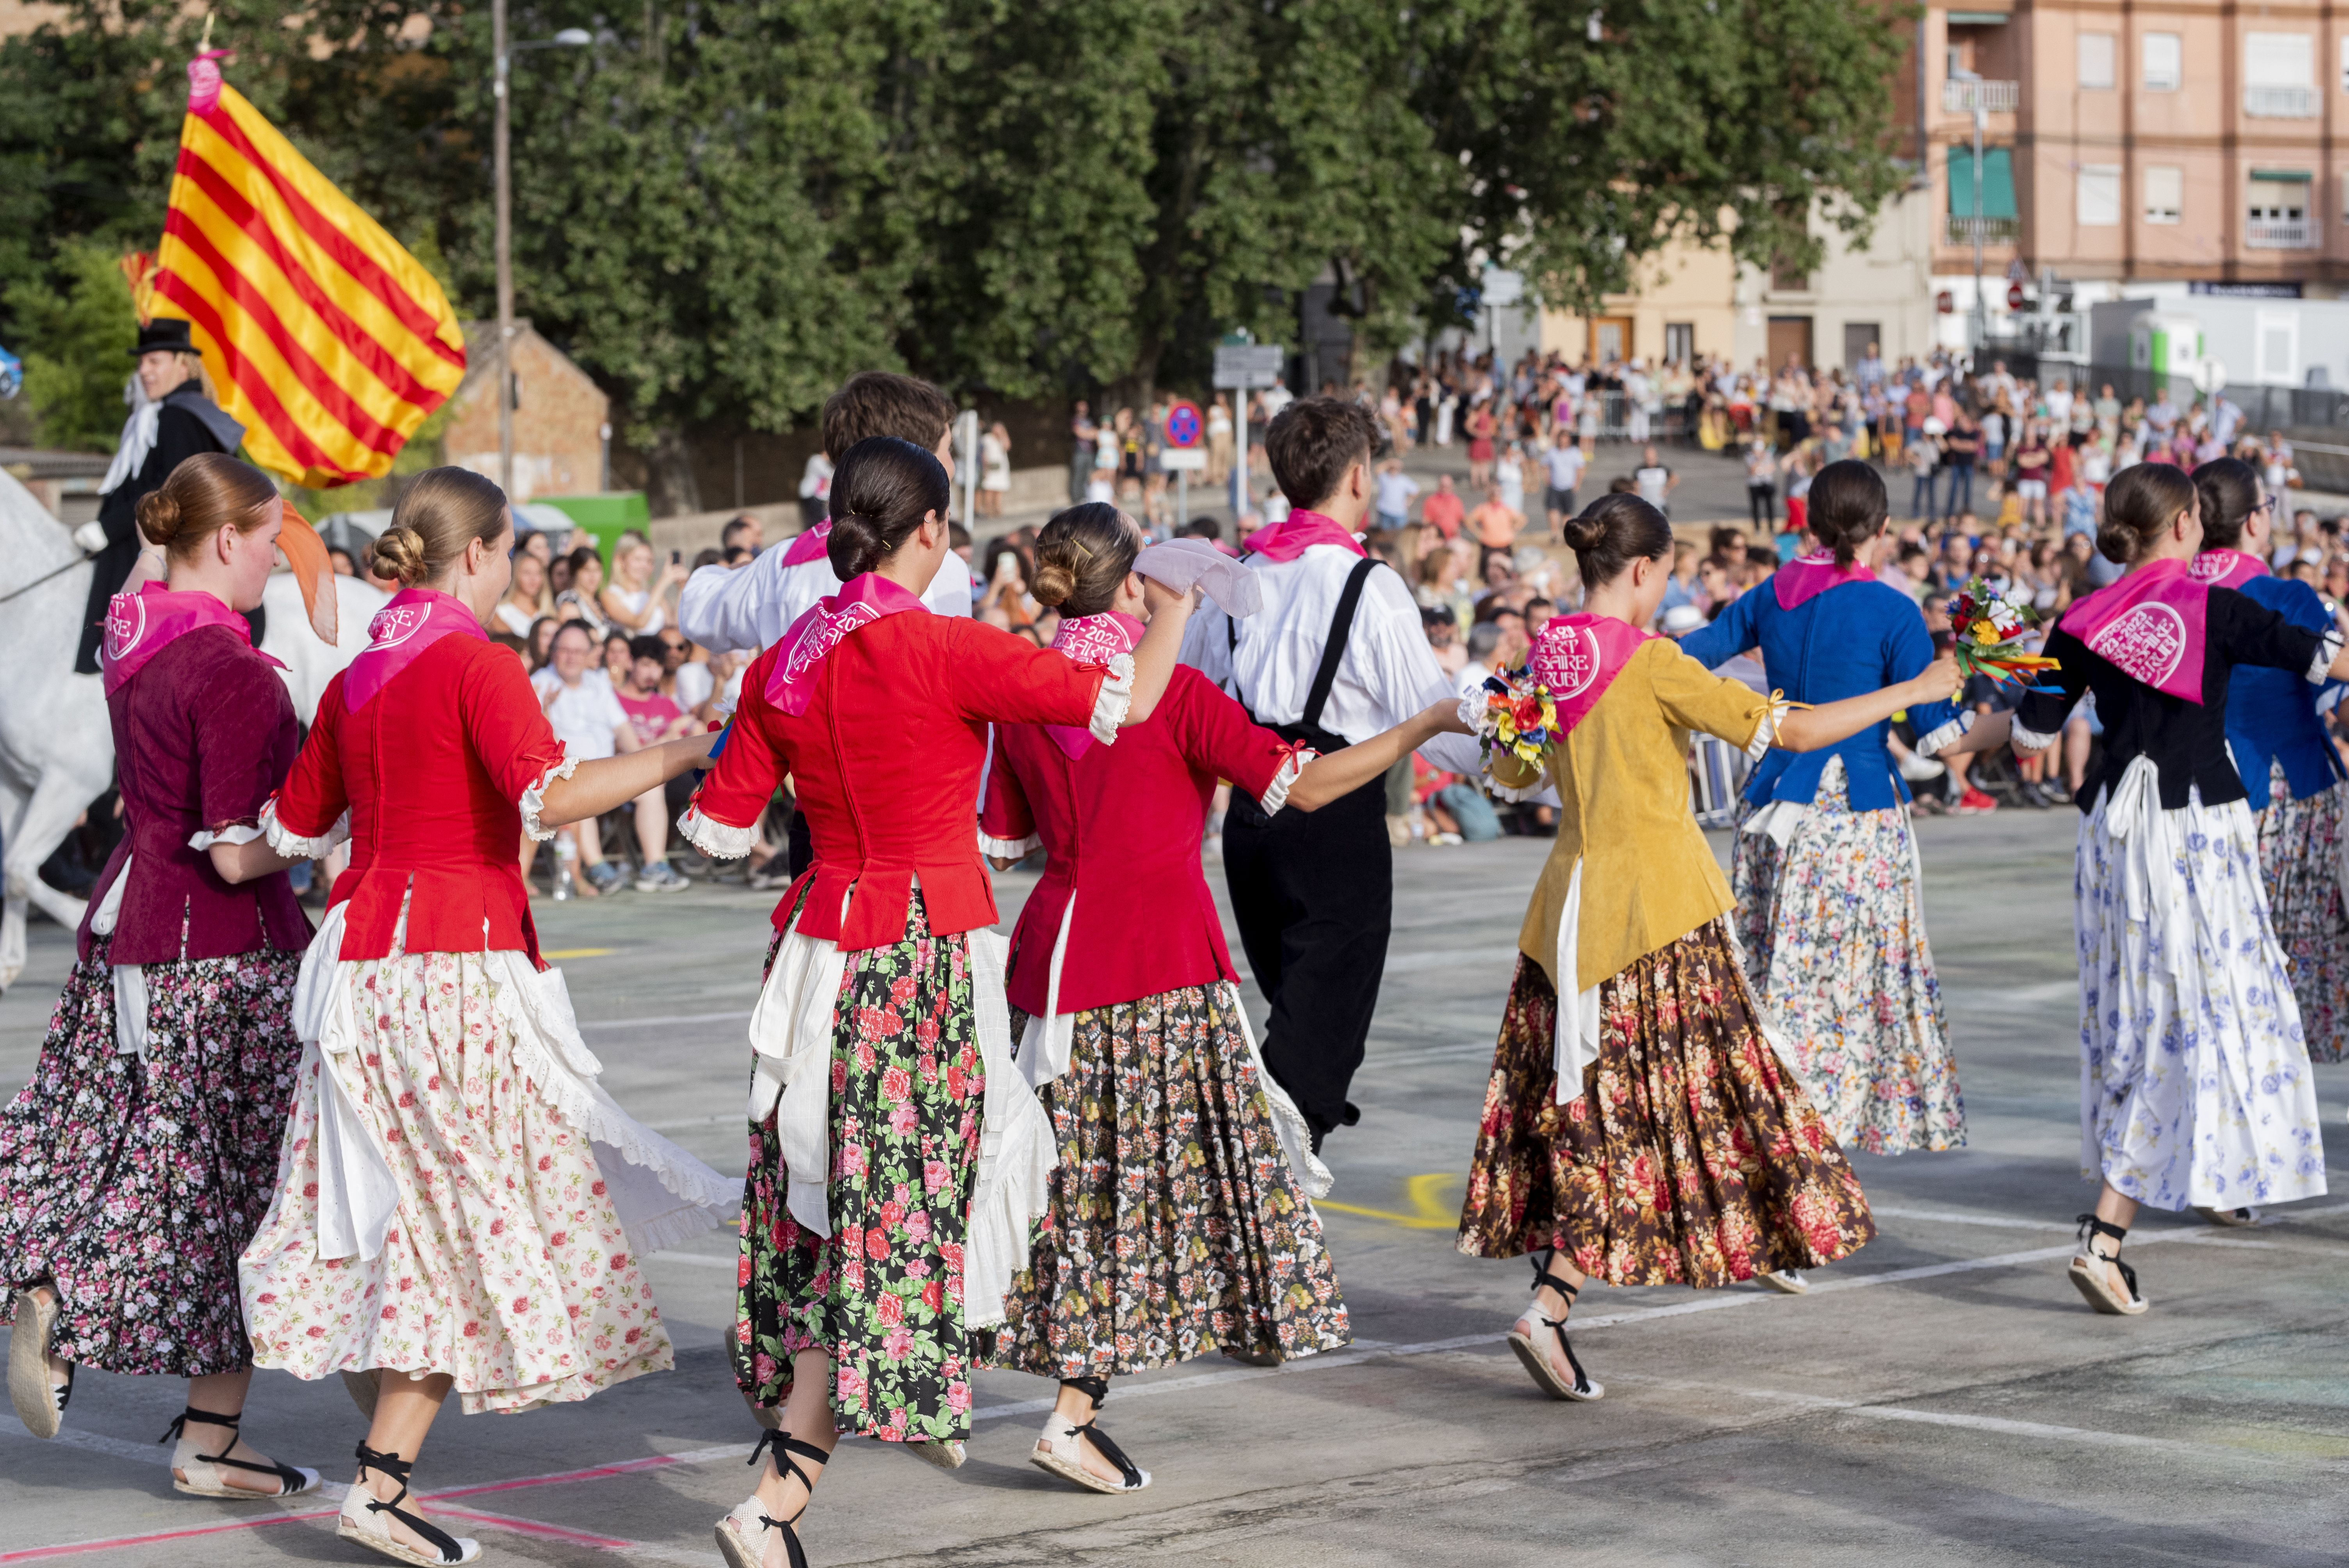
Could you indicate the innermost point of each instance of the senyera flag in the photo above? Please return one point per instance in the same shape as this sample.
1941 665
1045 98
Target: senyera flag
325 339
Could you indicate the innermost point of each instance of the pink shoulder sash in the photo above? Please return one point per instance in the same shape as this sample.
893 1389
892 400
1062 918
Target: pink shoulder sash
414 620
1299 530
2148 625
1807 576
141 625
1576 657
1091 639
2227 568
860 602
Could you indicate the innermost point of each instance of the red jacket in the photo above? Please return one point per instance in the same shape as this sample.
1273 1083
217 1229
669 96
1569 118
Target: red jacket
1122 826
885 763
432 769
202 732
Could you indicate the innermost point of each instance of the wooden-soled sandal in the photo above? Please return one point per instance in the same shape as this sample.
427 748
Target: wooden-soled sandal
197 1473
2232 1218
2092 1271
1523 1340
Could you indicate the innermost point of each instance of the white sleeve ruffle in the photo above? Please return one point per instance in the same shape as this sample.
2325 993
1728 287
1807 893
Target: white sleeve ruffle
1116 697
1775 709
533 800
714 838
1949 734
2320 668
1008 849
234 833
2029 739
1275 794
295 846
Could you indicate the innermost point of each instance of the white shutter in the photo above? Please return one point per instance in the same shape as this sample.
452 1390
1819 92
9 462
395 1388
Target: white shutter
2279 60
2096 59
2165 193
2100 195
2165 61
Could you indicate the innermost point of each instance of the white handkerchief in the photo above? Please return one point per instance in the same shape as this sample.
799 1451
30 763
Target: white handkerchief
1180 562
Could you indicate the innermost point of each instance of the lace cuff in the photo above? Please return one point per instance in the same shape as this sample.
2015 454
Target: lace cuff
533 800
1008 849
2029 739
2320 668
295 846
1275 794
234 833
1775 709
1520 793
1116 697
713 839
1949 734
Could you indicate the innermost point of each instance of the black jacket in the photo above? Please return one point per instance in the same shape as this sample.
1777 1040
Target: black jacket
190 423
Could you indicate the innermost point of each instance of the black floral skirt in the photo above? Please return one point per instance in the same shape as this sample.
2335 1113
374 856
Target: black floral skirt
133 1187
883 1293
1176 1227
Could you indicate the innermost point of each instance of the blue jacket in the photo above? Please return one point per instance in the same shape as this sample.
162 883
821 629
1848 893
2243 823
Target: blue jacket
1854 638
2271 713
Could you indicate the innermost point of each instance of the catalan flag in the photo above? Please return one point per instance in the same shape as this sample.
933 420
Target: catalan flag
325 339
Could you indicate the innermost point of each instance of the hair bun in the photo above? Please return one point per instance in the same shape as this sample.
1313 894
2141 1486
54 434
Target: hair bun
1583 533
159 517
855 547
1056 578
2114 541
400 554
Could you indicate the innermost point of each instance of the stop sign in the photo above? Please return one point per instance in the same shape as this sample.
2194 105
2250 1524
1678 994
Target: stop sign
2014 296
1183 424
1946 303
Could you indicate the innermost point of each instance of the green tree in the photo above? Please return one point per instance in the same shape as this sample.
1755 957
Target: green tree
74 344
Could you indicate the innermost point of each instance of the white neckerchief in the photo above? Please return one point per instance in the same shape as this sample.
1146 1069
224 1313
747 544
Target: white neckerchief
137 436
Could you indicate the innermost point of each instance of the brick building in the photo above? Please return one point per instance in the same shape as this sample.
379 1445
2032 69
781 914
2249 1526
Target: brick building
561 418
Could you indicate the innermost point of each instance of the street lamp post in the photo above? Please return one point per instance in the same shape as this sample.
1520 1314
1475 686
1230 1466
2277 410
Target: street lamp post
569 39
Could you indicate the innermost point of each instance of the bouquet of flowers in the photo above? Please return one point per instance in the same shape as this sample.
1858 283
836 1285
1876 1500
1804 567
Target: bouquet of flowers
1512 714
1990 627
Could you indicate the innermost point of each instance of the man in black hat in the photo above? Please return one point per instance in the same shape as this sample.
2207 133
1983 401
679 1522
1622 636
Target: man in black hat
170 421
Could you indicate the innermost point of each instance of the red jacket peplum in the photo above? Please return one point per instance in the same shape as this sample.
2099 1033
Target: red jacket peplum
202 732
432 770
885 763
1122 826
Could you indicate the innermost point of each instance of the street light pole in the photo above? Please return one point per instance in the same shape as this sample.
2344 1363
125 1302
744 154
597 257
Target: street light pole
503 158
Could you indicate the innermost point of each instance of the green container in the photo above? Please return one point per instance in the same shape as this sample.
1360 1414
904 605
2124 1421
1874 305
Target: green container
605 515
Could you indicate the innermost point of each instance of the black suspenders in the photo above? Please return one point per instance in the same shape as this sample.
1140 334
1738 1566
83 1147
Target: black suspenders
1333 650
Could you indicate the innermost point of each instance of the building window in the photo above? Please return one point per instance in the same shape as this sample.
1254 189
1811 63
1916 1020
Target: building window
1680 343
1997 211
2279 215
2165 193
2096 60
2100 195
1787 279
2344 62
2279 76
2165 62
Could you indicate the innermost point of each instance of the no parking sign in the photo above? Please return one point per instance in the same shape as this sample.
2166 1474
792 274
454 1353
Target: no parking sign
1183 424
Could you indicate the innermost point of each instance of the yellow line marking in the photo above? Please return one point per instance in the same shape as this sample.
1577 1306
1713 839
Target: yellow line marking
1426 1195
576 952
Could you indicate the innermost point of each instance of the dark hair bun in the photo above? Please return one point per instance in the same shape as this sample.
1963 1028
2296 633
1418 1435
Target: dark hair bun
1617 529
159 517
1083 556
1584 533
1055 580
854 546
881 491
2115 541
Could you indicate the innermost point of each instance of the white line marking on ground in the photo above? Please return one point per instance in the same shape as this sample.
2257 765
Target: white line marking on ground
668 1019
700 1260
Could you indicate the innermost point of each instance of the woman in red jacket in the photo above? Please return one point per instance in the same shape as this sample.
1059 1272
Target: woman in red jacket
875 1236
1180 1219
461 1204
137 1162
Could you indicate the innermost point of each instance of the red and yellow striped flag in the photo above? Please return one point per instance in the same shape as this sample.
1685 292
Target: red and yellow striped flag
325 338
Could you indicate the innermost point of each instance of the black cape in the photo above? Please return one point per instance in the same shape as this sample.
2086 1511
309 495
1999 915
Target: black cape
190 423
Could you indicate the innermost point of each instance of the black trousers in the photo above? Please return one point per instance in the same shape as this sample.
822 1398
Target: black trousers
1314 894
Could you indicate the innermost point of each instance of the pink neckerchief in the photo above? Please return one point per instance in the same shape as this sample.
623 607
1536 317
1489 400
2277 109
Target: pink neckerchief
414 620
2149 626
1806 577
2224 568
1091 639
1289 539
141 625
809 545
1576 657
861 602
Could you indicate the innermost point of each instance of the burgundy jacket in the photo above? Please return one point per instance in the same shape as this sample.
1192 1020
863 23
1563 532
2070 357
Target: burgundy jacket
202 733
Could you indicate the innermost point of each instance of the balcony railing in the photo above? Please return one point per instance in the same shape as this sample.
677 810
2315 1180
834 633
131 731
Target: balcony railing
1962 226
2280 234
1960 97
2280 103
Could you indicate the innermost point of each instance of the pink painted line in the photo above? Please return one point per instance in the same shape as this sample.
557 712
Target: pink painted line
532 1527
74 1547
625 1467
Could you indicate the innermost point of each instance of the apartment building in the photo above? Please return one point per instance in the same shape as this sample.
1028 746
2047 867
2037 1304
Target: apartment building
2136 143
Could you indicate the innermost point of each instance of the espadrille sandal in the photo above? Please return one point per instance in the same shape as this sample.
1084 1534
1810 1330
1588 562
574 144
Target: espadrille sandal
742 1533
1524 1339
2092 1271
33 1389
198 1474
364 1522
1061 1448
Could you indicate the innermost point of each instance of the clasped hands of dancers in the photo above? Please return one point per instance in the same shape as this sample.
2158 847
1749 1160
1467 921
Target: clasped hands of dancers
968 1152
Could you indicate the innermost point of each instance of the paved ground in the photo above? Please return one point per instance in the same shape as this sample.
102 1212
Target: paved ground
1944 1397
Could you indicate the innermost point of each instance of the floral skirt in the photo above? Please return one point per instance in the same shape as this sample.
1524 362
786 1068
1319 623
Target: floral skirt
2301 847
1691 1157
883 1293
132 1188
1833 929
505 1265
1175 1226
2195 1087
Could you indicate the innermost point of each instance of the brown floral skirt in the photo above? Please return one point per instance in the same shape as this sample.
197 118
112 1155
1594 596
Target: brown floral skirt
1176 1227
1692 1156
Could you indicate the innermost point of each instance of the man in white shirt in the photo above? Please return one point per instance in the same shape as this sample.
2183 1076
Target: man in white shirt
1656 481
722 609
1564 460
1336 654
587 717
1396 488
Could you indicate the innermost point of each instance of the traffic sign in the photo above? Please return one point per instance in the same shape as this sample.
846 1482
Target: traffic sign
1182 459
1242 366
2014 296
1945 302
2016 271
1183 427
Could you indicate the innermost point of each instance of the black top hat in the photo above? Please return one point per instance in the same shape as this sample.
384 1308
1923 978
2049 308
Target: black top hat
164 334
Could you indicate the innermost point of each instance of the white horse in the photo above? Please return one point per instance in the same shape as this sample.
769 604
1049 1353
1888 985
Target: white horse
56 743
57 746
